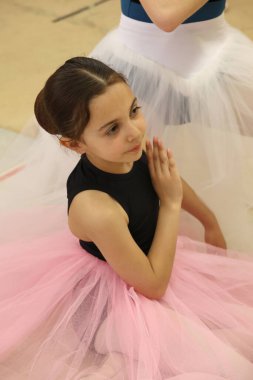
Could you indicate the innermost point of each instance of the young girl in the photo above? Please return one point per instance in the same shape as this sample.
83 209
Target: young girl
192 72
133 301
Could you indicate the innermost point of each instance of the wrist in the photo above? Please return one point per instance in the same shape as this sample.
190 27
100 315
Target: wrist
170 206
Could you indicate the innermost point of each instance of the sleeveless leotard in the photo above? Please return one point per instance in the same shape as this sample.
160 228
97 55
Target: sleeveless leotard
212 9
133 191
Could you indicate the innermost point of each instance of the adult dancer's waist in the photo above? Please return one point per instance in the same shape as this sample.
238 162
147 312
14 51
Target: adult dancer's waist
198 42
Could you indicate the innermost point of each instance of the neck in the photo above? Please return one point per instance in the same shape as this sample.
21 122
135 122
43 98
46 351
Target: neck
109 166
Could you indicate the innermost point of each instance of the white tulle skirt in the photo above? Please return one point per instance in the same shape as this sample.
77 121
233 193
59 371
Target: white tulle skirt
195 85
65 315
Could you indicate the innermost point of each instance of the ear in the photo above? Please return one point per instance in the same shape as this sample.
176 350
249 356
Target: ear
77 146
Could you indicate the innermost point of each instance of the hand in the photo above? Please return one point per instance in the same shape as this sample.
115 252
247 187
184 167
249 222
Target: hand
214 236
164 174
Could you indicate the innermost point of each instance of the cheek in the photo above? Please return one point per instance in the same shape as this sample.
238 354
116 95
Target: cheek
142 124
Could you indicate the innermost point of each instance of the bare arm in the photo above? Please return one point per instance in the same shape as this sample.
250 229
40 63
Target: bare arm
107 227
197 208
169 14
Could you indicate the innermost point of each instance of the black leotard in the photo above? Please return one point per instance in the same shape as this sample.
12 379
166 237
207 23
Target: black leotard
133 191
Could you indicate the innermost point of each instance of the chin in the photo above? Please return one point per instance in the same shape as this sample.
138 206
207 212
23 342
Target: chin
138 155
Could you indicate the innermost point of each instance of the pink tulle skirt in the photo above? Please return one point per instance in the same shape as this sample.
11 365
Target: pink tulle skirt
65 315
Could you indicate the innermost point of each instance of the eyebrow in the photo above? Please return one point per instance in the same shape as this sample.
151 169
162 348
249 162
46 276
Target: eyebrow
113 121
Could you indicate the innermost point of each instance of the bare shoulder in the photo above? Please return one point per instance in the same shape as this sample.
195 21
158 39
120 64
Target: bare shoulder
95 216
91 211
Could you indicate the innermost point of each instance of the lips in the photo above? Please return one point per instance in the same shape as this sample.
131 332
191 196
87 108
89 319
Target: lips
135 148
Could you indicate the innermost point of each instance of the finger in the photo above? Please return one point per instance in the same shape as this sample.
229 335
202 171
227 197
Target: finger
171 160
172 164
148 144
164 162
156 159
149 152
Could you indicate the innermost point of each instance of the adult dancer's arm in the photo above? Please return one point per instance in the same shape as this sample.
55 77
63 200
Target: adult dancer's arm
169 14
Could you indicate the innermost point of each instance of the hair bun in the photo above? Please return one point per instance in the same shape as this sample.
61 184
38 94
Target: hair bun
43 116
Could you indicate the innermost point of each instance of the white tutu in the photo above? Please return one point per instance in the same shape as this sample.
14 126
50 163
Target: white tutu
34 170
65 315
202 111
195 85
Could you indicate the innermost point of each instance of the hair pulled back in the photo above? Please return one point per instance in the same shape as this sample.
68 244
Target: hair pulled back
62 106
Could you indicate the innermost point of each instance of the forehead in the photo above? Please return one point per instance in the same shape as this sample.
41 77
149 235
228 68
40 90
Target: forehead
116 99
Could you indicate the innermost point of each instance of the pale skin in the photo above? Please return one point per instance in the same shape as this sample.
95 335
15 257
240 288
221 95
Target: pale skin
169 14
113 140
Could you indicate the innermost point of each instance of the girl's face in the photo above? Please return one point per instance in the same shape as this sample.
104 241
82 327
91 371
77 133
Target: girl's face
114 137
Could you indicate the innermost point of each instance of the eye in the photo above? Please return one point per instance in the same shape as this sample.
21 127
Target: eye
135 110
112 130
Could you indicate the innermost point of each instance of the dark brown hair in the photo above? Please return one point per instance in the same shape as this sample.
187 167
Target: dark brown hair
62 106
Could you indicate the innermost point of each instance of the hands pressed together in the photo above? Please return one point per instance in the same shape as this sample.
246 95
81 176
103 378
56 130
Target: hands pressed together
168 186
164 174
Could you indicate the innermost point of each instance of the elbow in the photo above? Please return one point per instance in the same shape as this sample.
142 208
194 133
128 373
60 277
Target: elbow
155 295
155 292
167 26
160 292
167 23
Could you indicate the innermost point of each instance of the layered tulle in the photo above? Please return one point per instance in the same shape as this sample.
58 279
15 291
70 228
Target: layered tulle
34 169
66 315
198 100
195 88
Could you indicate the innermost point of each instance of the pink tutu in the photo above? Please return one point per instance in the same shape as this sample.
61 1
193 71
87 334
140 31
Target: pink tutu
65 315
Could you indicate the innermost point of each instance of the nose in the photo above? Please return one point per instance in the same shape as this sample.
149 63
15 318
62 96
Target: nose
133 131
